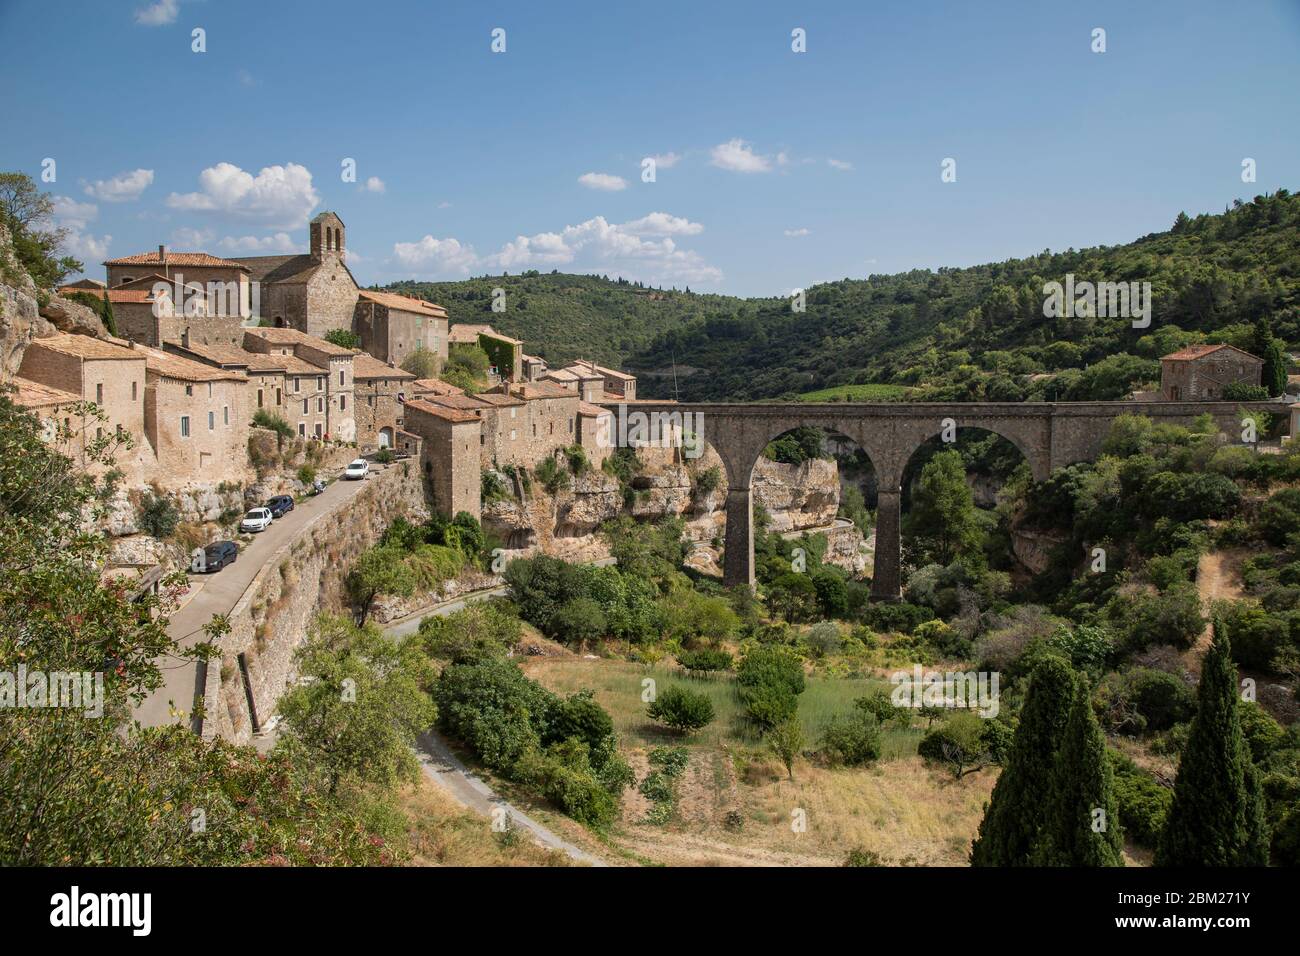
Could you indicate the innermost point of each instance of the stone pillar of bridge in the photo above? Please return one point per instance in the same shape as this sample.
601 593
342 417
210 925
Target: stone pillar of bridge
886 577
738 559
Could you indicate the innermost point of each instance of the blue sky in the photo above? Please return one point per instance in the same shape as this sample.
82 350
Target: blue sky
781 170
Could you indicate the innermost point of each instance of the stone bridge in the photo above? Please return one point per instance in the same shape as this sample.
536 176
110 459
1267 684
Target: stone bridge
1050 435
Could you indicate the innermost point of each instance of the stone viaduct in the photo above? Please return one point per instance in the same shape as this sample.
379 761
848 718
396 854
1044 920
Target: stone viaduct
1050 435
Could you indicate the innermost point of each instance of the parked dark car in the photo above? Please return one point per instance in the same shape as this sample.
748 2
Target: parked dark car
218 554
280 505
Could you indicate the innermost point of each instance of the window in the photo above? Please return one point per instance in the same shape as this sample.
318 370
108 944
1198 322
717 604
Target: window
534 429
320 383
343 403
133 386
209 389
185 426
189 390
320 405
318 431
259 398
512 412
304 406
570 426
512 434
212 420
279 398
302 430
99 393
297 384
225 414
99 434
341 374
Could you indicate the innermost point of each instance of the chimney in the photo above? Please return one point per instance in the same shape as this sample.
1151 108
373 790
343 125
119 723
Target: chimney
162 255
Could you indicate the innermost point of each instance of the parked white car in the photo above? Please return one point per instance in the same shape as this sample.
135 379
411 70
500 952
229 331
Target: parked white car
259 519
357 470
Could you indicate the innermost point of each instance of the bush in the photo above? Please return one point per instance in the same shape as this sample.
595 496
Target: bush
851 739
158 515
1143 803
307 474
1242 392
705 661
493 709
901 617
482 629
823 638
1143 700
343 338
683 710
579 620
958 743
263 418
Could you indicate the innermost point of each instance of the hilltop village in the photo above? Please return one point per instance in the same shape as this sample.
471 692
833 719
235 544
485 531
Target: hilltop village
190 375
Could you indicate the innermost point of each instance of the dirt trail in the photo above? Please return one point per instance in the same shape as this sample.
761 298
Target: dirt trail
1218 577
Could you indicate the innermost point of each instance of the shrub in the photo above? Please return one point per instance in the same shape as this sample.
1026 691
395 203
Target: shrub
550 476
576 456
958 743
493 709
482 629
578 620
307 474
851 739
823 638
901 617
1242 392
384 456
158 515
1143 802
1144 700
263 418
683 710
343 338
705 661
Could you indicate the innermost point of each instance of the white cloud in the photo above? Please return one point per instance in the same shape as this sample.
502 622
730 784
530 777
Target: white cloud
246 78
123 187
71 214
841 164
797 233
279 197
74 218
158 14
254 245
661 224
188 239
738 156
432 255
665 160
641 249
782 159
603 181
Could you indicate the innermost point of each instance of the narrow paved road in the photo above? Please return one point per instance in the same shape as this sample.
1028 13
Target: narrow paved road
220 593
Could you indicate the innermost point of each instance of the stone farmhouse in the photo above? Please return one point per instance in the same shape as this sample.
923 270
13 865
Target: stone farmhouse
1200 372
393 327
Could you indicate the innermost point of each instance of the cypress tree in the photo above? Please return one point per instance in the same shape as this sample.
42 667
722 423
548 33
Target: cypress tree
1217 815
1081 827
1009 830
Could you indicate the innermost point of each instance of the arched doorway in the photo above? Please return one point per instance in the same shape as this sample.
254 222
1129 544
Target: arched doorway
385 437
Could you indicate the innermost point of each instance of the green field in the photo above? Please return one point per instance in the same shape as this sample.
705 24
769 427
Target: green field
618 688
858 393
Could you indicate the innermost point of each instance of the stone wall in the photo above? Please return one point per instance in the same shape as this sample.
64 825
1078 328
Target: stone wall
304 577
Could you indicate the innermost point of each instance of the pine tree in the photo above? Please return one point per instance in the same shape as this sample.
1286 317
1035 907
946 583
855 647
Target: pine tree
1217 815
1082 819
1009 830
1269 348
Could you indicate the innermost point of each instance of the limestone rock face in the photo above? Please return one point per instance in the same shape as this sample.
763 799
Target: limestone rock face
73 317
20 319
140 549
1033 549
797 496
595 498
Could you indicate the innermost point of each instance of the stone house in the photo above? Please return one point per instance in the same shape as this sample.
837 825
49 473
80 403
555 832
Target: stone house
313 293
504 418
505 353
552 420
449 455
1200 372
266 373
393 326
532 368
424 387
380 391
53 408
586 383
107 373
319 384
595 432
193 271
197 420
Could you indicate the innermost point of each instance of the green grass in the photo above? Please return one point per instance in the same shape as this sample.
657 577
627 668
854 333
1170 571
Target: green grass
858 393
618 688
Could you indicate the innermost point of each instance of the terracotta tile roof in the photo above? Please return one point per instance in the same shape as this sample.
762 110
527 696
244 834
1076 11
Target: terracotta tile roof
592 411
233 355
467 334
435 386
295 337
86 283
499 400
365 366
86 347
404 302
185 370
465 402
1199 351
583 365
115 294
175 259
293 365
532 391
145 282
560 375
439 411
31 394
583 371
296 267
